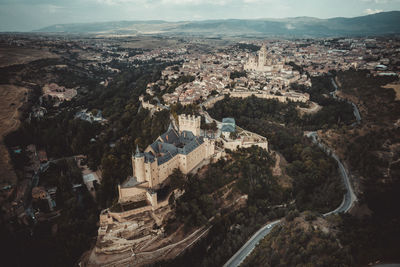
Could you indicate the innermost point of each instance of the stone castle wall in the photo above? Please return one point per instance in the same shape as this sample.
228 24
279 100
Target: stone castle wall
300 98
210 103
121 216
189 123
131 194
235 144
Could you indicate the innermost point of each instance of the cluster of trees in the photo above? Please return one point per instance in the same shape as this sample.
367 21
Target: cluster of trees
62 175
32 72
379 102
247 47
73 76
230 227
249 167
334 114
61 240
296 67
312 247
178 108
316 182
371 238
237 74
317 185
253 107
61 135
208 126
229 231
374 236
320 89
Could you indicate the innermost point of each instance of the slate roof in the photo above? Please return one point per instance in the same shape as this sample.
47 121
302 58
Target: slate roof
170 136
154 146
171 144
228 128
228 120
186 137
189 147
149 157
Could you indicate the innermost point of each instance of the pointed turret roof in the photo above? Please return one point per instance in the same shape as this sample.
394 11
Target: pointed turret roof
138 154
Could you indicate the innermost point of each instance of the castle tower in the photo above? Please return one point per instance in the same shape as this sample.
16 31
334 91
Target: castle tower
189 123
262 55
138 165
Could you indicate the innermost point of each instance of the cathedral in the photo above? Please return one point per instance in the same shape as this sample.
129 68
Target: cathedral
182 149
261 62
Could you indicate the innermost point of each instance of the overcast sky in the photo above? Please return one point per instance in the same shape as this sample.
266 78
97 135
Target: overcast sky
27 15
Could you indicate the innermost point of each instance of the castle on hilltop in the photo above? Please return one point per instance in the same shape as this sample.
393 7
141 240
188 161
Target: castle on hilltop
182 149
261 62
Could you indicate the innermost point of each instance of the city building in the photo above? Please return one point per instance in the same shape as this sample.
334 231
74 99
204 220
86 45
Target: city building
262 63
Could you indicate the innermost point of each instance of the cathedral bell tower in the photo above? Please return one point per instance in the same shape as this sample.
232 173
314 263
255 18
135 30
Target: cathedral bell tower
262 55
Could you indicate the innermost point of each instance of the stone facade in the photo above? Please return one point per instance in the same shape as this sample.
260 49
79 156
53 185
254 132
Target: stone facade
262 63
183 150
245 143
189 123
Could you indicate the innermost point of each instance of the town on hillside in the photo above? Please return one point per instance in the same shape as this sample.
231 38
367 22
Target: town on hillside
184 150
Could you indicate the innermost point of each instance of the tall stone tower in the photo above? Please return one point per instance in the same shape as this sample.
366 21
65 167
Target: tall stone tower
138 166
262 55
189 123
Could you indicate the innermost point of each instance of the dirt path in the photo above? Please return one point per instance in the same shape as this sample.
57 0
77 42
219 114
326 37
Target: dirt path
146 257
279 171
314 108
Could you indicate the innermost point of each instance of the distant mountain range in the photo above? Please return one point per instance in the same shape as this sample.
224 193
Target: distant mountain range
377 24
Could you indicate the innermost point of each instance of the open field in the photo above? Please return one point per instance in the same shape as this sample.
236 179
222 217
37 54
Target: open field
11 98
17 55
149 42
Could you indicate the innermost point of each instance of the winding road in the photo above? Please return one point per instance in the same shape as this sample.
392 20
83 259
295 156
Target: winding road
348 199
356 112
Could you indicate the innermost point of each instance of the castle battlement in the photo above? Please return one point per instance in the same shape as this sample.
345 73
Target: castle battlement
189 123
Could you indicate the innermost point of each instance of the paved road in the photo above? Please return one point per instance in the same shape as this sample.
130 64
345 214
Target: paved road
246 249
349 197
348 201
356 112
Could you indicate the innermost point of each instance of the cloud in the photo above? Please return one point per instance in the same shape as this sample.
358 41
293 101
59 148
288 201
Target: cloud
165 2
381 1
54 8
195 2
370 11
